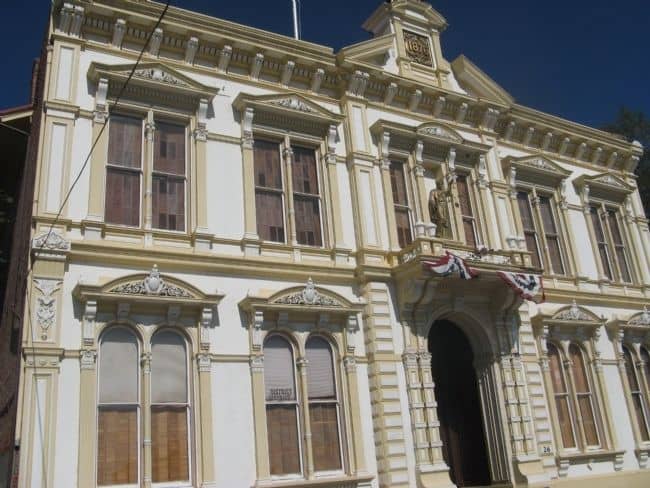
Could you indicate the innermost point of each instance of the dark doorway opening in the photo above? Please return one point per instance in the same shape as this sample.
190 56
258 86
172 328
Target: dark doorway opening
459 406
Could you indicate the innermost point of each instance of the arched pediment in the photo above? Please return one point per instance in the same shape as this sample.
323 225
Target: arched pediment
143 287
640 319
575 313
308 297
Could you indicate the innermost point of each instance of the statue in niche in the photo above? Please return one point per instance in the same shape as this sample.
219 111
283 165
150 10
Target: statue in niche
438 211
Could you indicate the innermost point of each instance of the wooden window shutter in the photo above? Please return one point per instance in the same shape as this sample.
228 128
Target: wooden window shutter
619 246
306 199
400 204
464 200
603 251
168 198
528 224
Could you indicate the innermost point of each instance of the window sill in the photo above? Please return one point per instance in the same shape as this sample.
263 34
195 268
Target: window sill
324 482
596 454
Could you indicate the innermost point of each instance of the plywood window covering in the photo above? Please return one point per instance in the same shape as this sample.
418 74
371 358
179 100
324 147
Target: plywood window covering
118 409
551 235
634 378
584 395
281 407
169 408
169 174
400 203
619 246
123 170
306 197
562 399
467 211
269 191
530 234
601 242
323 405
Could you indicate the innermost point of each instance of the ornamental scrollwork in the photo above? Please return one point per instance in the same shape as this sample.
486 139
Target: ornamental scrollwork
153 284
156 74
417 48
573 313
52 241
293 104
308 296
642 319
46 311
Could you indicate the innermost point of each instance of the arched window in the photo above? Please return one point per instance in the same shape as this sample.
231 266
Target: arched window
634 379
281 407
645 357
583 395
169 408
323 405
562 399
118 414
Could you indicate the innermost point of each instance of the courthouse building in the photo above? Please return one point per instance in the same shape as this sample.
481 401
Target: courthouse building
285 266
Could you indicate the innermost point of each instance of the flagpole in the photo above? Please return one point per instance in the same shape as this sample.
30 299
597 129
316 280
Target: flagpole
295 19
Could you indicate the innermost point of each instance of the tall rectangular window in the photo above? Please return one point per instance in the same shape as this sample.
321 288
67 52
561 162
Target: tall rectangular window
124 170
601 242
400 204
467 211
169 177
269 191
306 197
528 223
551 235
619 246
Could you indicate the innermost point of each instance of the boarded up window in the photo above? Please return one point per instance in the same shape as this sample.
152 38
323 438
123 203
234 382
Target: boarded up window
466 210
638 401
122 201
306 197
268 191
400 204
281 407
561 394
619 246
118 409
168 200
169 408
323 405
530 234
551 235
584 395
603 250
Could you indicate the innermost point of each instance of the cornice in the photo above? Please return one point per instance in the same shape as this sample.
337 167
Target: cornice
212 36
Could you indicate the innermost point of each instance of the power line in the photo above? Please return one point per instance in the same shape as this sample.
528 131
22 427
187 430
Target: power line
16 129
58 215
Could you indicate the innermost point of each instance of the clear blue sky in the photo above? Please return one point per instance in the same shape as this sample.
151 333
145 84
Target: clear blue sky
577 59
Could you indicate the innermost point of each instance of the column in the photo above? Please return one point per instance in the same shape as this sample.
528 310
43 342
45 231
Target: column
263 469
204 363
147 168
423 225
302 384
563 206
291 213
88 398
340 247
97 189
357 460
200 183
146 418
251 244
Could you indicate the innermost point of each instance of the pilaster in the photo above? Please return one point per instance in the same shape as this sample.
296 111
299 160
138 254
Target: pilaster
200 133
251 239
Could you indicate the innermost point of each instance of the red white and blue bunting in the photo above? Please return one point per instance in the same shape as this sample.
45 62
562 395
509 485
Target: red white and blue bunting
528 286
450 264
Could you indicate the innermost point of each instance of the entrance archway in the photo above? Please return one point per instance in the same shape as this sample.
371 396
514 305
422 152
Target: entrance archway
459 405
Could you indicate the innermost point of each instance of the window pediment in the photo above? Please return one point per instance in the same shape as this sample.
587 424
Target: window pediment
607 186
153 82
439 131
536 168
568 321
147 288
290 111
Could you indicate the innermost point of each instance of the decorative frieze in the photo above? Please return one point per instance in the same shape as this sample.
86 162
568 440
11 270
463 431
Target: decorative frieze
224 58
357 83
154 42
308 296
190 49
287 71
257 62
119 29
46 305
151 285
390 92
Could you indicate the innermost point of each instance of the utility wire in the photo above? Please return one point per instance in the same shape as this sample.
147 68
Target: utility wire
16 129
56 219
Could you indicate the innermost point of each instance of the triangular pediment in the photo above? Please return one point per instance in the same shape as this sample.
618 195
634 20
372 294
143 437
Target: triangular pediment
609 179
291 102
439 131
537 164
605 185
477 83
155 76
373 53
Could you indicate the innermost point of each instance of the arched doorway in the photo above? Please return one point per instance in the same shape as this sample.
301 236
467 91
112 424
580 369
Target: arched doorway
459 405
